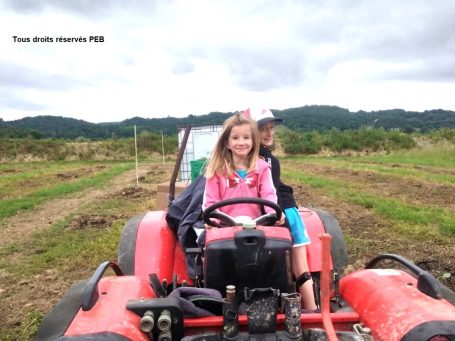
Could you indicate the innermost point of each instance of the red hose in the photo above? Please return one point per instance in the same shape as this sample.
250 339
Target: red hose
325 287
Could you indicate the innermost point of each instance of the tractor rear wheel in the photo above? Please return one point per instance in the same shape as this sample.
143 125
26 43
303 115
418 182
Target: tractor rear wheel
127 246
338 248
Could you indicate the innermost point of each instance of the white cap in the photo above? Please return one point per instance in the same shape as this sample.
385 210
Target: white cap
261 116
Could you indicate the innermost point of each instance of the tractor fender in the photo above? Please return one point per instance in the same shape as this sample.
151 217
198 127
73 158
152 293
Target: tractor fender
390 303
338 246
148 245
318 222
127 247
57 321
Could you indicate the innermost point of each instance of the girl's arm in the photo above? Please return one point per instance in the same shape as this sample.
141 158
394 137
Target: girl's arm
212 192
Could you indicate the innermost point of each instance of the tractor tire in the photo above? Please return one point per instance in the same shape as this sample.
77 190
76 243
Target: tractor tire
338 247
127 247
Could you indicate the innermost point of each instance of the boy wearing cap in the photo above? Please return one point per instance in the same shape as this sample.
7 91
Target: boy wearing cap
266 124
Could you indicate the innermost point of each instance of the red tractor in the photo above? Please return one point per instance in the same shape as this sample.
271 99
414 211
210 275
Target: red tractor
249 266
235 283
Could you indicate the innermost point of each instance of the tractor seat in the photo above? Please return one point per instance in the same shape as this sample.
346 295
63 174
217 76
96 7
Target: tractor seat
253 258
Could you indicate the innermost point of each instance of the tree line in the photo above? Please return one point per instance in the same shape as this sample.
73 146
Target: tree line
314 118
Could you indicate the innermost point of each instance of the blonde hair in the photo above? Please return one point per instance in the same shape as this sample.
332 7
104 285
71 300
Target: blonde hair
221 161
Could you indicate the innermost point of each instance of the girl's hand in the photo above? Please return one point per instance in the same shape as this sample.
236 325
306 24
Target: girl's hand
208 227
282 220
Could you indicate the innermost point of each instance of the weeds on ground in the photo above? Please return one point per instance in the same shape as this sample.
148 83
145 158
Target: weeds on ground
423 220
10 207
52 149
436 156
26 330
365 138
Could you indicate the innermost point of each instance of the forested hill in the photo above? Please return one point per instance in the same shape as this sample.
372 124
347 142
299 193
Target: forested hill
52 126
307 118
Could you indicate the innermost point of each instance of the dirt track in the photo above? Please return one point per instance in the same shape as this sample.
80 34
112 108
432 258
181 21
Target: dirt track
370 238
25 223
370 235
409 190
42 291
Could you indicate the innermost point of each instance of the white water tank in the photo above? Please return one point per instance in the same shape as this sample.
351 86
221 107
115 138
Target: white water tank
201 142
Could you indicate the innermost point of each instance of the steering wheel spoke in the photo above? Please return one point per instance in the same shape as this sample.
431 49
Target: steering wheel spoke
225 219
266 219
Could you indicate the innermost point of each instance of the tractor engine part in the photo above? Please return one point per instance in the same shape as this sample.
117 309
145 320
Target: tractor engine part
246 258
291 307
164 321
147 322
165 336
230 293
261 309
231 318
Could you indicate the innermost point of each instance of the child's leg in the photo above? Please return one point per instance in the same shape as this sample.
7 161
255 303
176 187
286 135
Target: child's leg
300 266
299 256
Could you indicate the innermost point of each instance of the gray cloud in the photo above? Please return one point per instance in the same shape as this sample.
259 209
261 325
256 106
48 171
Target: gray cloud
264 69
263 44
417 35
417 38
22 6
16 76
182 66
81 7
397 32
12 100
438 68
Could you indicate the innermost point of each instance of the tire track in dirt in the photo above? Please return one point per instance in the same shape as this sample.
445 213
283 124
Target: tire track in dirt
423 168
26 223
405 189
44 290
369 235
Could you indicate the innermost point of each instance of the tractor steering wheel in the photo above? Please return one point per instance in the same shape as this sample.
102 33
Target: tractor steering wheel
268 219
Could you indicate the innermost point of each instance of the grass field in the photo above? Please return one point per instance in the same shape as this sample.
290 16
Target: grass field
385 205
59 220
416 194
29 188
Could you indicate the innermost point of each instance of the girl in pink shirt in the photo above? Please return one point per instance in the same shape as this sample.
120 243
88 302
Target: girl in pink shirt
235 170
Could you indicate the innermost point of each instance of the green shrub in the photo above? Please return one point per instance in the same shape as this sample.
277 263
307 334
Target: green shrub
365 138
399 140
311 142
301 143
442 134
84 149
339 141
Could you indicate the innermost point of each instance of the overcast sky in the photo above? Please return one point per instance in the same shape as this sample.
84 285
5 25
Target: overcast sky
183 57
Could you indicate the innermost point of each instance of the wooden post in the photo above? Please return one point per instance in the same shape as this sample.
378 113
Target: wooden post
135 150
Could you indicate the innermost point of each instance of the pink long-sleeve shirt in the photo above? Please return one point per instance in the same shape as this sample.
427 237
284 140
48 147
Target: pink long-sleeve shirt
257 184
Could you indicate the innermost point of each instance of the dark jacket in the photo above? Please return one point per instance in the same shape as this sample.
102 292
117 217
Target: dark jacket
284 192
184 214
